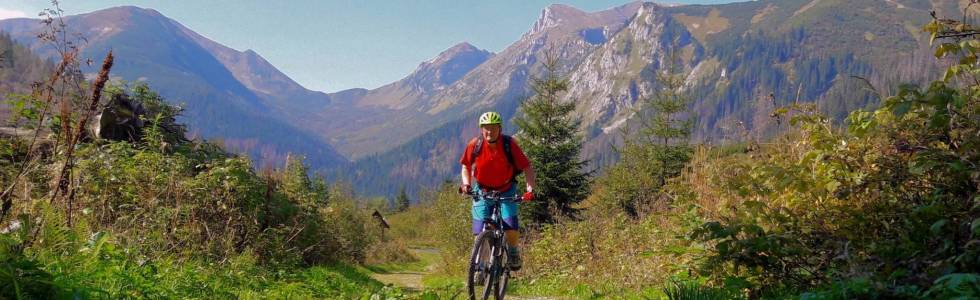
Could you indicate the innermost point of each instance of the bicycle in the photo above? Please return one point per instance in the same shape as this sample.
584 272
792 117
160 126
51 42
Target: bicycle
488 272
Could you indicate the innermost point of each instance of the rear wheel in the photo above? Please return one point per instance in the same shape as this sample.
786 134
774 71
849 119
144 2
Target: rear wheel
480 280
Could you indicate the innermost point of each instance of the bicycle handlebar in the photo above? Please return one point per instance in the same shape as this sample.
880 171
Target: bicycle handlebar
476 196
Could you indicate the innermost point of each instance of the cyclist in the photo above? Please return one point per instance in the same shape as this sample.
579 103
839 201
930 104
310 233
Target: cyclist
495 160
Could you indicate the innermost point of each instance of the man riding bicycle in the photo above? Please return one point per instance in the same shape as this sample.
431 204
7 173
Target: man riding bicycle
495 160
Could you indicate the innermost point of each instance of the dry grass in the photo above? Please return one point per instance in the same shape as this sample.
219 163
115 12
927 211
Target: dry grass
391 251
609 251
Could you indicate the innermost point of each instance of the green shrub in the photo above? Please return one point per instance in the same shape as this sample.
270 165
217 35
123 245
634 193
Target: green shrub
891 199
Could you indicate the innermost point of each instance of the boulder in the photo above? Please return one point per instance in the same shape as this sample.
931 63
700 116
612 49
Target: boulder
121 119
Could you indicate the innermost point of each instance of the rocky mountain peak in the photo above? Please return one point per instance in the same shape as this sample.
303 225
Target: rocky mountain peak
464 46
457 50
563 19
558 11
647 8
447 67
429 78
553 15
649 14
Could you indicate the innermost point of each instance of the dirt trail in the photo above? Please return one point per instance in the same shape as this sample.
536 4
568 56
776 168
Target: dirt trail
411 278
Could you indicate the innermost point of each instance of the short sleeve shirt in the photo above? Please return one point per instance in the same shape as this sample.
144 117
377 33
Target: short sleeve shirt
492 169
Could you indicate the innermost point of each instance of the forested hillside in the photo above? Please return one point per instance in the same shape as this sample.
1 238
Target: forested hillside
19 68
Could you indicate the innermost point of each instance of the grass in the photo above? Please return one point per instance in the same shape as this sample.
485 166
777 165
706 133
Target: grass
560 288
114 274
441 281
387 268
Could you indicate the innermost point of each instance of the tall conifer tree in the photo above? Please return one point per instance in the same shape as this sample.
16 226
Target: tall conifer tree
658 150
668 130
402 201
550 138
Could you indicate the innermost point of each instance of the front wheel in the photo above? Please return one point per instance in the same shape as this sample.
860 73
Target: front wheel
504 279
481 280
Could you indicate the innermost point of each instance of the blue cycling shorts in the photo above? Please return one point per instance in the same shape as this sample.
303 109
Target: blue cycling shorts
508 210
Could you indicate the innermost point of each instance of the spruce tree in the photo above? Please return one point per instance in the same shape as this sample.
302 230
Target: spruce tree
668 130
297 184
401 202
549 137
658 150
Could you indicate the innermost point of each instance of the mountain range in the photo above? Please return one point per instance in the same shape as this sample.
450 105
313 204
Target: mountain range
410 132
228 95
743 61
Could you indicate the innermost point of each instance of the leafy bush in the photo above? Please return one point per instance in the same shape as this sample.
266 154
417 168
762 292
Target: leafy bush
885 208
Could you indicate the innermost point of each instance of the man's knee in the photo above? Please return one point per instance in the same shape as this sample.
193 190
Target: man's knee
512 236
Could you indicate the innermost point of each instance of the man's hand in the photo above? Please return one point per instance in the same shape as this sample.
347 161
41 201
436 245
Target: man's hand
528 196
465 189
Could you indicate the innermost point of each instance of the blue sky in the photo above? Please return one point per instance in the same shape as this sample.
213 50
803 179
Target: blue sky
335 45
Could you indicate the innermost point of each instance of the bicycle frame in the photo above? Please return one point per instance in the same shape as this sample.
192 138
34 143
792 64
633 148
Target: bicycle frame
495 269
496 220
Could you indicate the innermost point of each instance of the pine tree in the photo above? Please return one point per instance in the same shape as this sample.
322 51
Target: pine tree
550 138
321 190
656 153
401 201
668 130
297 185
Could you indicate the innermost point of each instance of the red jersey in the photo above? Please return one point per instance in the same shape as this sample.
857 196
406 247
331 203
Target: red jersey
493 171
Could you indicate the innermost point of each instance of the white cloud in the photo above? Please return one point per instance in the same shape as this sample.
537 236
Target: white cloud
10 14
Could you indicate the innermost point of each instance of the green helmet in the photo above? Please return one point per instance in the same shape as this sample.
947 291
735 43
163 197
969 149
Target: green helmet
490 118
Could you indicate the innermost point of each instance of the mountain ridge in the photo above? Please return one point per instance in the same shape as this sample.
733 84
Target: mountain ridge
735 55
362 130
153 48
